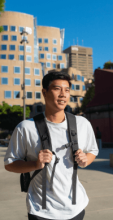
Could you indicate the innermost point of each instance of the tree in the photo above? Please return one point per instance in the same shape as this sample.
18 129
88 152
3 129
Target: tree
2 3
88 97
108 65
10 116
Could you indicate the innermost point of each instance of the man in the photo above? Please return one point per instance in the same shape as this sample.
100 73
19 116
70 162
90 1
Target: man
25 141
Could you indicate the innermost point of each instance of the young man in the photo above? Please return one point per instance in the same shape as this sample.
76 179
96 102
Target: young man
25 141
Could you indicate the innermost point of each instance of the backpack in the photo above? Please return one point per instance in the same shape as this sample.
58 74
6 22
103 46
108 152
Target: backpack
43 130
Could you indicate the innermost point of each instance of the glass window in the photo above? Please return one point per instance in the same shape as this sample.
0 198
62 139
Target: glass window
77 87
28 49
4 81
11 56
14 38
81 99
60 57
78 77
5 27
54 41
73 76
46 48
37 95
4 69
41 55
4 37
16 69
73 99
39 40
48 64
3 56
21 29
8 94
54 49
21 47
24 37
53 57
28 58
16 94
29 95
40 48
83 88
27 82
21 57
11 47
72 86
27 70
37 82
16 81
61 65
82 78
48 56
36 71
54 65
3 47
12 28
46 40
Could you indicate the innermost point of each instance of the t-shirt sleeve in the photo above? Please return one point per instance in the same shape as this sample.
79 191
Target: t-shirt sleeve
17 147
91 144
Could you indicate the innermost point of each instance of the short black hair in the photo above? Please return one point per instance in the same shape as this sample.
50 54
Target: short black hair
53 75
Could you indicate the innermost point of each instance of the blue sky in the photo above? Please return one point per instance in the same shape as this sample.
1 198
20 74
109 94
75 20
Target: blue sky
87 20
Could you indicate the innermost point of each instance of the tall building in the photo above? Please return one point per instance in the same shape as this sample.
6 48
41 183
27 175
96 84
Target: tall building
12 57
80 58
50 43
42 53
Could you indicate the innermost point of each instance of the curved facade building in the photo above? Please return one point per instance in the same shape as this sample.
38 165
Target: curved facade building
12 56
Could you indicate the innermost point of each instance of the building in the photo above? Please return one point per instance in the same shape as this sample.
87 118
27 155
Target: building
42 53
50 43
80 58
100 109
11 60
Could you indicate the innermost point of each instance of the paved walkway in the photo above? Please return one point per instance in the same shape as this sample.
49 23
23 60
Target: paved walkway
96 178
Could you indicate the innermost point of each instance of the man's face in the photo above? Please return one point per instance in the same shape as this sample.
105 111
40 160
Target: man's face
58 95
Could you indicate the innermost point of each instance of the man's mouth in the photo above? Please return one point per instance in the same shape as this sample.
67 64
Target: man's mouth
60 101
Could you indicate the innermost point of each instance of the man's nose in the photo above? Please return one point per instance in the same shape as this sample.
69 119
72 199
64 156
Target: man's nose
62 93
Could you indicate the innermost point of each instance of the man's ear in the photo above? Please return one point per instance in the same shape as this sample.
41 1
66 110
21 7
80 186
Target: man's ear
44 92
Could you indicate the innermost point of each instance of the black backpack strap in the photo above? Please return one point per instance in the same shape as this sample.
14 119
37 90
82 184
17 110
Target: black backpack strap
72 129
46 144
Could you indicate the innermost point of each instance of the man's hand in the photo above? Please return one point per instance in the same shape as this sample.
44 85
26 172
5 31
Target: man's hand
81 158
45 156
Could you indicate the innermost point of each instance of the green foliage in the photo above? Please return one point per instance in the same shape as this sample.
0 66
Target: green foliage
108 65
2 3
10 116
88 97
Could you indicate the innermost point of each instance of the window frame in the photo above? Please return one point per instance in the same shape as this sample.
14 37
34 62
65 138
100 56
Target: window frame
47 56
31 93
46 47
47 66
27 57
35 95
13 30
39 39
53 41
77 89
53 64
14 94
60 56
19 68
28 47
54 55
36 69
41 57
12 45
21 46
54 48
3 55
16 84
45 40
19 57
5 94
29 69
2 71
5 39
5 26
4 78
38 85
29 81
5 46
11 55
13 36
61 64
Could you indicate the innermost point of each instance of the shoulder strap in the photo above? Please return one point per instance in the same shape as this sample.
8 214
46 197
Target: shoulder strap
46 144
72 129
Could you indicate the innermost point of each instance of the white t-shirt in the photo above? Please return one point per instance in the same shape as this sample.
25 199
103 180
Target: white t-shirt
26 140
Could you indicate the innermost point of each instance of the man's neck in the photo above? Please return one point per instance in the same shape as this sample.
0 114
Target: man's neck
55 117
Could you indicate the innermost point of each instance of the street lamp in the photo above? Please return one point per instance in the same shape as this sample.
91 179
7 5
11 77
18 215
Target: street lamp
23 85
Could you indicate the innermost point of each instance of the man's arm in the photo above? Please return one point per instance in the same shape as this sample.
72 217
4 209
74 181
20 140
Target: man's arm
84 159
19 166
